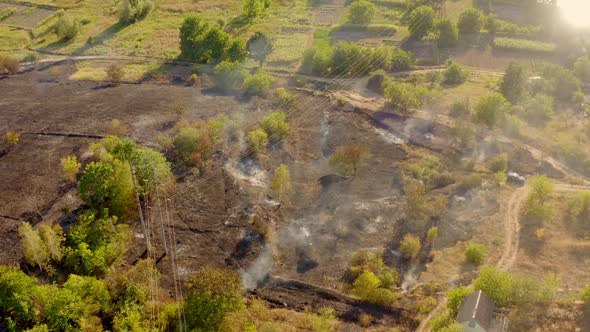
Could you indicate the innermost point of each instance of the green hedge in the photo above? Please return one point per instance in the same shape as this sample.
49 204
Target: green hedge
525 45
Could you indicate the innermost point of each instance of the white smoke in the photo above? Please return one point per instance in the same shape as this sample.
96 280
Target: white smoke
258 270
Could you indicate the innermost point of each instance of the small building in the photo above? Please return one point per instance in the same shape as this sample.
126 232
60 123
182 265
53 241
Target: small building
476 313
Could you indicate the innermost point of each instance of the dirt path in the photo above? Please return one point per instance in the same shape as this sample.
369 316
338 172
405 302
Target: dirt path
512 228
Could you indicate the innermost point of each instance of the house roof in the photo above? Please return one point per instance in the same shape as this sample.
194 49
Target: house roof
479 307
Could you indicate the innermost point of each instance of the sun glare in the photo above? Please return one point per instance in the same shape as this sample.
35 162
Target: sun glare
576 12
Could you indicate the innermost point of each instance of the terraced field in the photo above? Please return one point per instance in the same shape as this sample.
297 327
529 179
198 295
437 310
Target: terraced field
26 17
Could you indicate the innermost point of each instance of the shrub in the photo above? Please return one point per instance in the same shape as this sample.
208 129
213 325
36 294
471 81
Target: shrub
347 159
421 21
539 109
514 44
237 50
499 163
189 143
490 109
455 298
460 109
259 46
254 8
361 11
9 64
70 167
377 81
562 83
104 185
284 96
470 182
115 73
230 75
258 84
432 234
194 79
497 284
34 250
406 96
441 180
410 246
368 287
11 138
475 253
585 294
470 21
67 27
455 74
582 69
131 11
281 181
276 126
537 204
401 60
416 207
258 140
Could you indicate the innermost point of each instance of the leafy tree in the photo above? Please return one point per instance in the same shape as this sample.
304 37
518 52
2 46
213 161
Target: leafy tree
67 27
410 246
490 109
34 249
230 75
146 163
193 27
513 84
499 163
186 143
254 8
455 74
563 84
96 184
237 51
421 21
448 36
15 295
539 109
361 11
275 125
70 167
215 42
470 21
94 293
582 68
578 208
405 96
416 207
211 295
495 283
131 11
491 24
60 308
258 140
95 243
401 59
258 84
368 287
455 298
281 181
260 46
475 253
347 159
537 203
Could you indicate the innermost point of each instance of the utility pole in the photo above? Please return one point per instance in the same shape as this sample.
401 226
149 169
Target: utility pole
143 226
163 233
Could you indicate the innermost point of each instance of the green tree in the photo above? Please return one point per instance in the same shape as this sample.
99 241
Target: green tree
255 8
470 21
410 246
215 43
96 185
67 27
405 95
276 125
259 46
455 74
499 163
490 109
539 109
421 21
193 27
448 36
34 249
475 253
211 295
230 76
361 11
94 293
455 298
237 51
401 59
495 283
582 69
59 308
258 140
563 84
513 84
258 84
416 207
70 167
347 159
538 205
15 295
281 181
491 25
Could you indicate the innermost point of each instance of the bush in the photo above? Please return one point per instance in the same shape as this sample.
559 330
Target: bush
237 50
455 74
255 8
281 181
432 234
11 138
441 180
497 284
377 81
67 27
470 182
475 253
455 298
194 80
199 42
284 96
9 64
103 186
562 83
131 11
460 109
70 167
410 246
401 60
115 73
361 11
347 159
539 109
230 75
258 84
499 163
470 21
582 69
513 44
276 126
406 96
368 287
585 294
258 140
490 109
537 204
421 21
513 85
